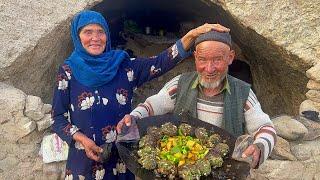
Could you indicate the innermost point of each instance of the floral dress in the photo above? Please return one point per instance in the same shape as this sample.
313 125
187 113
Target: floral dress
96 111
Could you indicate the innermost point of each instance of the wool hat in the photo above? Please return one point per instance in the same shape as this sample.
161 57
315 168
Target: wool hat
223 37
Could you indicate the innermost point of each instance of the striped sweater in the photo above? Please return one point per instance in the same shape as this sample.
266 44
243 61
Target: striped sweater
210 110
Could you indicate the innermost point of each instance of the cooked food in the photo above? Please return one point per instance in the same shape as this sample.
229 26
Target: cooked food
169 129
154 132
185 129
172 152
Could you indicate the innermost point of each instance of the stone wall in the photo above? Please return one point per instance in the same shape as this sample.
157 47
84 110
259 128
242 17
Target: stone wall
23 121
281 42
35 40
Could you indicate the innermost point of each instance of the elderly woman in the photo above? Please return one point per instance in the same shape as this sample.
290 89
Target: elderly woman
94 91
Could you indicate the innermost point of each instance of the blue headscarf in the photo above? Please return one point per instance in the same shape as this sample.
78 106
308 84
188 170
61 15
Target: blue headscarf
93 70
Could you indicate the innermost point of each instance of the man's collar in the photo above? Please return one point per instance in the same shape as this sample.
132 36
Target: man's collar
226 85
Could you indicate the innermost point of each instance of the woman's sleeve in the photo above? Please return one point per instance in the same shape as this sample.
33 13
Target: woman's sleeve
60 107
146 69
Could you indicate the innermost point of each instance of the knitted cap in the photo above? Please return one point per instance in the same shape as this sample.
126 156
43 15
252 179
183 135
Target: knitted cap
223 37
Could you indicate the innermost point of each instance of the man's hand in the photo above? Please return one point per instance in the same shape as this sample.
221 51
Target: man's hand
125 121
90 147
127 129
254 151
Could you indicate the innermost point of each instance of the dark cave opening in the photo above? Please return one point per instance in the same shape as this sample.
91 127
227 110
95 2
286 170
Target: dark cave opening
161 22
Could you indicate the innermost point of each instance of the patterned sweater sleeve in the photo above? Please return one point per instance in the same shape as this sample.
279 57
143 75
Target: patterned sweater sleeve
146 69
60 106
260 126
160 103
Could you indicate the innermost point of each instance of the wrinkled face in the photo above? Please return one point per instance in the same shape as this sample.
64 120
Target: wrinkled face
212 59
93 39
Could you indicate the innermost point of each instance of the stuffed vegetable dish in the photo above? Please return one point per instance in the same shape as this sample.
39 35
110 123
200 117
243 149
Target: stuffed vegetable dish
181 152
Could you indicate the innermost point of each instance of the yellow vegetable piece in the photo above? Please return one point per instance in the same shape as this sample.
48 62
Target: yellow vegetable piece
198 147
178 155
182 162
162 144
190 143
169 145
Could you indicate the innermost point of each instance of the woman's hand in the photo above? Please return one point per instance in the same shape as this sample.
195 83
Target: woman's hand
208 27
90 147
190 37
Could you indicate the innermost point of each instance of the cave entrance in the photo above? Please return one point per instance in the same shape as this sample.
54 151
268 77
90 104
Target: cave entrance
145 28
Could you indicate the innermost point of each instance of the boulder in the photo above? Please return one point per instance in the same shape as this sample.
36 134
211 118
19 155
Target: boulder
306 149
307 105
312 167
289 128
313 128
45 122
46 108
312 84
8 163
281 150
313 95
34 107
12 131
12 103
314 73
276 169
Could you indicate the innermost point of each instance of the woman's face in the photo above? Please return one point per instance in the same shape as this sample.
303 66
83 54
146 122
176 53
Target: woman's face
93 39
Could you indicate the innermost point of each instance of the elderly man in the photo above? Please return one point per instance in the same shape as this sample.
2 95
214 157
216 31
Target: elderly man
213 96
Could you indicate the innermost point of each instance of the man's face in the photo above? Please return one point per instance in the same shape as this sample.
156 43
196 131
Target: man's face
93 39
212 59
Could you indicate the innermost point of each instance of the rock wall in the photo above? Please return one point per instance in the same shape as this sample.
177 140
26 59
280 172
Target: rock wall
35 38
23 121
296 154
281 41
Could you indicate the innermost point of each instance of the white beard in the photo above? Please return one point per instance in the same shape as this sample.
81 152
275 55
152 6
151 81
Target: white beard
211 85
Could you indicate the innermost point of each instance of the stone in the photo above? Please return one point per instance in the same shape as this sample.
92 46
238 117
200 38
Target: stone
276 169
312 167
316 176
34 108
8 163
306 149
25 151
54 170
314 73
289 128
307 105
281 150
12 132
313 95
45 122
12 103
29 127
46 108
3 154
312 84
313 128
38 166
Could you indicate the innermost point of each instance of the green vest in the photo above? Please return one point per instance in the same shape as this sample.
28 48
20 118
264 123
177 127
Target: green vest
233 110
